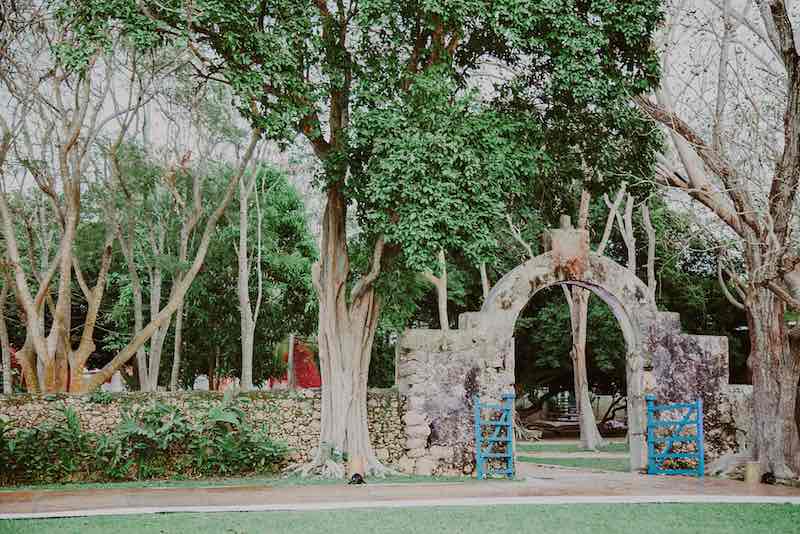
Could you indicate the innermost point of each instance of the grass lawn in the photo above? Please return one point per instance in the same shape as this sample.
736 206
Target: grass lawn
568 447
222 482
552 519
606 464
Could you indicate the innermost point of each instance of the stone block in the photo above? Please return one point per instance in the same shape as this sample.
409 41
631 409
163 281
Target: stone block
416 443
416 453
425 466
406 465
414 418
441 453
418 431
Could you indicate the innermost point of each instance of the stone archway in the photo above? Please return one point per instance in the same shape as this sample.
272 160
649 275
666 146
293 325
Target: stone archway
439 371
627 297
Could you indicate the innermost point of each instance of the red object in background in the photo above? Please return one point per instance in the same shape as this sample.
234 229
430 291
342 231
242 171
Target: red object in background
306 374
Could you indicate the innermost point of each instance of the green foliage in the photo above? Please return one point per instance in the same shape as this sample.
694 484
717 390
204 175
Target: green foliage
478 157
153 442
228 444
544 342
53 450
101 396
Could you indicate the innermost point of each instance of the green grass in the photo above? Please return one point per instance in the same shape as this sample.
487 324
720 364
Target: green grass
551 519
605 464
568 447
223 482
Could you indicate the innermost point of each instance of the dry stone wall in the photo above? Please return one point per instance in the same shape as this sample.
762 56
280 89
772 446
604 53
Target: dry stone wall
439 373
289 416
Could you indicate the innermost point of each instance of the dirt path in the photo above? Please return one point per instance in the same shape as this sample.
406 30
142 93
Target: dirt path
537 484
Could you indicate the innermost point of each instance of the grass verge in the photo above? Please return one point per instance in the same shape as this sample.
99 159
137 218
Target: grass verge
568 447
605 464
553 519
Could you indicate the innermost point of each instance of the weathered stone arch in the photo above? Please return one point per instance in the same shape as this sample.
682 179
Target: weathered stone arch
626 295
439 372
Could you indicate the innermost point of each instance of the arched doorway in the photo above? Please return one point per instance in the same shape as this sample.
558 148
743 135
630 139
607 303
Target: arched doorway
440 372
627 297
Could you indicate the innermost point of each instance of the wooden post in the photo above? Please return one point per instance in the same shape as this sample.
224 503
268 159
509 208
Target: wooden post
290 364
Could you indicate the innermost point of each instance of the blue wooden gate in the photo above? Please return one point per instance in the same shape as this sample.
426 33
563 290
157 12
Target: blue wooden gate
498 422
663 435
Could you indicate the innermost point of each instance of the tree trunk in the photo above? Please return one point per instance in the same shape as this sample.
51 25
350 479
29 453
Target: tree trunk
345 346
177 349
485 285
5 346
440 282
247 324
590 437
776 374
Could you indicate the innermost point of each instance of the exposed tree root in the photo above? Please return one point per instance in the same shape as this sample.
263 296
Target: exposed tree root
324 466
726 464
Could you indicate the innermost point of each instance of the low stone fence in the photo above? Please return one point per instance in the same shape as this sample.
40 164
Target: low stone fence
289 416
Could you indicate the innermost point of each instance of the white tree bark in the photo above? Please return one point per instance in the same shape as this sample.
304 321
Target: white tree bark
486 286
440 283
5 346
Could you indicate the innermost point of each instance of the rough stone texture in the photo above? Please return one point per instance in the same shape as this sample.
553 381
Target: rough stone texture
689 367
737 411
439 372
290 416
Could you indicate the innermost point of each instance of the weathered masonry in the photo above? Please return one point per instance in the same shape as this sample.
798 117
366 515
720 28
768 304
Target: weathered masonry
439 372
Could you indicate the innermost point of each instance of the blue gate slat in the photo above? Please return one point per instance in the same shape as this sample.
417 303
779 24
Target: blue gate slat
668 424
676 439
693 419
505 422
668 455
676 406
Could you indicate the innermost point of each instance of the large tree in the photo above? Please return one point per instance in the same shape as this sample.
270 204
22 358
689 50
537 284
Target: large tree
730 103
369 85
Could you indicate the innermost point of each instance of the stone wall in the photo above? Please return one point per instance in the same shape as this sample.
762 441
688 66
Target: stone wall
439 372
289 416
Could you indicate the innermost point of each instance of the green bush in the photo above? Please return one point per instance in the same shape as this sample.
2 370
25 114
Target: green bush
53 450
158 441
227 444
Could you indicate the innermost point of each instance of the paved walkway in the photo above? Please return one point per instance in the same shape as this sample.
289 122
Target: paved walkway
538 485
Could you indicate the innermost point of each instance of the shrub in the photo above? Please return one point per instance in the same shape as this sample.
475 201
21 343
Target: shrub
226 444
153 442
53 450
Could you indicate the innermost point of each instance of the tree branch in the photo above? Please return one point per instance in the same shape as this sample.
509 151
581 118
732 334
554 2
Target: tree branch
368 279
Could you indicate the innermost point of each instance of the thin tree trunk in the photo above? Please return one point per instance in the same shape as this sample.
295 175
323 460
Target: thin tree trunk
590 437
138 305
5 346
485 285
776 374
247 324
440 283
187 228
177 350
